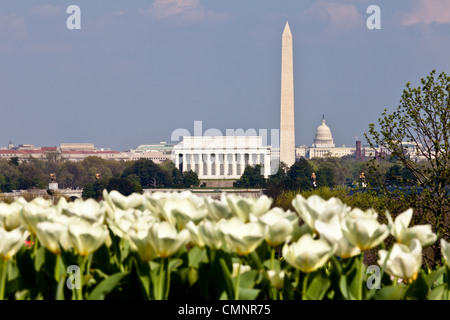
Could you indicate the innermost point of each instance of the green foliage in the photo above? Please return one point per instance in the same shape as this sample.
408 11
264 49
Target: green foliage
89 191
123 185
190 179
251 178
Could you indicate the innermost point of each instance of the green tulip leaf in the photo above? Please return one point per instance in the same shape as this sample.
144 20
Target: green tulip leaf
438 293
317 285
196 255
60 289
39 260
174 264
418 289
229 284
390 293
106 286
434 276
248 294
247 279
276 265
255 261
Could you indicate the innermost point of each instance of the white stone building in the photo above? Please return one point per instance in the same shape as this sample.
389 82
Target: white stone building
157 152
221 157
323 146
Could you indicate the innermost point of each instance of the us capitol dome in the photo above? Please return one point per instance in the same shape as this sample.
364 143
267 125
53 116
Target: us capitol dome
323 138
323 145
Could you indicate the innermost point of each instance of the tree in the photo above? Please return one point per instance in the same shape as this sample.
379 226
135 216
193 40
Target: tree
2 183
14 161
276 183
176 179
150 174
420 129
251 178
89 191
122 185
299 175
136 183
190 179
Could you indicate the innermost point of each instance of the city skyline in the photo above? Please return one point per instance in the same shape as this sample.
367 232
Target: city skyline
135 72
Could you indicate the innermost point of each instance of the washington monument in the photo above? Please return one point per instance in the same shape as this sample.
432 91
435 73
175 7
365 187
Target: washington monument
287 125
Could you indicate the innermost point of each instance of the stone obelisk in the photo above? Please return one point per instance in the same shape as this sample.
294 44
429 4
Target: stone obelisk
287 126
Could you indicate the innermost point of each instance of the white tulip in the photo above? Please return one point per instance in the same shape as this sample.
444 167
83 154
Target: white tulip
140 241
308 254
315 208
166 239
211 234
10 215
242 207
89 209
218 210
11 242
155 201
278 226
445 249
332 232
196 239
53 236
241 267
404 261
276 278
36 211
399 229
86 237
184 207
241 237
363 230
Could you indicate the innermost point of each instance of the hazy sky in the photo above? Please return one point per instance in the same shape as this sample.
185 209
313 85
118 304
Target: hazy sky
137 70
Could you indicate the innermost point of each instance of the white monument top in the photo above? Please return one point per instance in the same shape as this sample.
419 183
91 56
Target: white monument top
287 30
323 136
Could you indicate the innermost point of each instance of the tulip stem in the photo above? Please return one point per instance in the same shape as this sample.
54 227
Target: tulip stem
167 288
3 271
58 263
305 286
360 276
162 291
272 257
395 281
236 289
80 290
34 244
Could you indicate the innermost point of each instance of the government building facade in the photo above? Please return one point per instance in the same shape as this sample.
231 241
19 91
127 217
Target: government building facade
323 146
221 157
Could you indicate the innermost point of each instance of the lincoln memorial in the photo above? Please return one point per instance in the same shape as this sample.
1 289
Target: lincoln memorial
221 157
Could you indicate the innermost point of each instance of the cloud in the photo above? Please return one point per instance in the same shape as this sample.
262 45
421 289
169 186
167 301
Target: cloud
12 27
426 11
337 15
185 11
47 11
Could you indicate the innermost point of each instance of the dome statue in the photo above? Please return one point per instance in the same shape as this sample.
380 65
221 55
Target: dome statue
323 136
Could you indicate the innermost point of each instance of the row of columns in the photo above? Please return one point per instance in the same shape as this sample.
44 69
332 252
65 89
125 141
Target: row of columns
208 161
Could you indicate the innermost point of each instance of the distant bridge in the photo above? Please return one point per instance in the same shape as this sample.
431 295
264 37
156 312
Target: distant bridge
214 193
40 193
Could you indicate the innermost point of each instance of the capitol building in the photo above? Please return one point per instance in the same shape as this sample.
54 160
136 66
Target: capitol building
323 146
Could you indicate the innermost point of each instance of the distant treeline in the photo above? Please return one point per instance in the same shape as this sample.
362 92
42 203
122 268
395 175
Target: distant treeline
93 174
330 172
